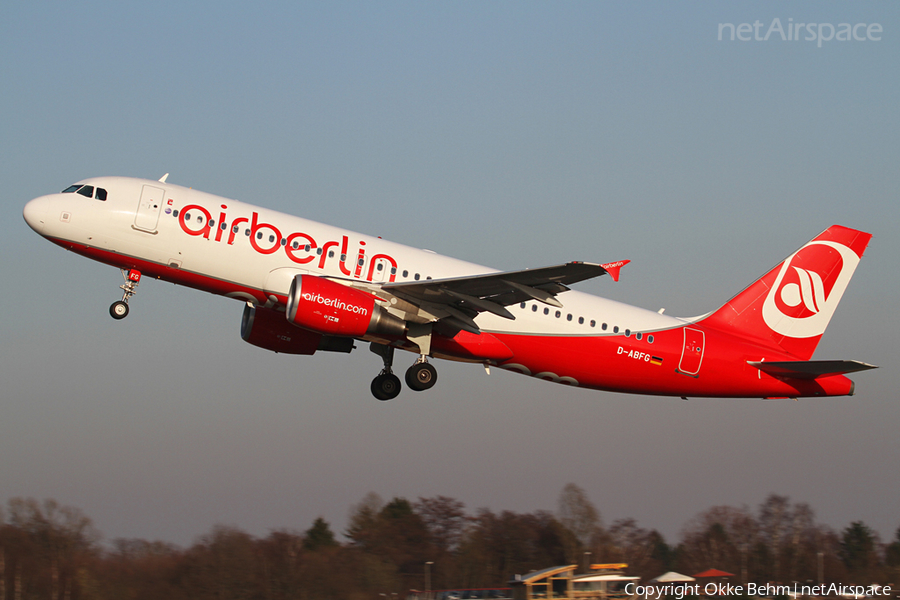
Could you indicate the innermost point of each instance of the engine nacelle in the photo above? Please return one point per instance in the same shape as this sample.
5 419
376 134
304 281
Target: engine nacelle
269 329
323 306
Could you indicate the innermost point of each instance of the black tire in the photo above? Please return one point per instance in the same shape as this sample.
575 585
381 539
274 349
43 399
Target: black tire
386 387
118 310
421 376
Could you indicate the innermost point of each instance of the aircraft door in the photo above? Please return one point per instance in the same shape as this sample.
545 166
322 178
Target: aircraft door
151 202
692 353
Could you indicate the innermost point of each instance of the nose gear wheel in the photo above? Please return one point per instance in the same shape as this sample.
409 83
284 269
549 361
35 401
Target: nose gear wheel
119 308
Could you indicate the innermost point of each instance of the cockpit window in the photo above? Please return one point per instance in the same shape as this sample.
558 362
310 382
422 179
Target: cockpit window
87 191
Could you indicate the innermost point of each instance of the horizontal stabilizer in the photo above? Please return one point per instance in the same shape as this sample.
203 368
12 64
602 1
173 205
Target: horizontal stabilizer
810 369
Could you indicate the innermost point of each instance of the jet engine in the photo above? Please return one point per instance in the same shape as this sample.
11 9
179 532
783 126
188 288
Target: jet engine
267 328
323 306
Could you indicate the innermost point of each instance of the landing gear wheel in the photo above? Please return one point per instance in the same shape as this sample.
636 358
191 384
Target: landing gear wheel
421 376
118 310
386 386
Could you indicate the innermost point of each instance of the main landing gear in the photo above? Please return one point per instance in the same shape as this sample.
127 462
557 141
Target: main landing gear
386 386
119 308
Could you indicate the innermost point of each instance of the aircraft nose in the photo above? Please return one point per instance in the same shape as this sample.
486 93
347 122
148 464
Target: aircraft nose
35 212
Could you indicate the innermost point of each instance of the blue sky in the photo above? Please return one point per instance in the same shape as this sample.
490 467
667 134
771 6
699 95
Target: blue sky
508 134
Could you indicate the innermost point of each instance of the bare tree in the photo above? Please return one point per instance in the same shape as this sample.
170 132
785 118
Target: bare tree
579 515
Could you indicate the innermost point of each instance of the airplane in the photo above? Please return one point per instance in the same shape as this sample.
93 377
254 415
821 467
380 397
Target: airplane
310 287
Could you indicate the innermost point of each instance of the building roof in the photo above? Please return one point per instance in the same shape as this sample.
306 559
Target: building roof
542 574
714 573
672 577
606 577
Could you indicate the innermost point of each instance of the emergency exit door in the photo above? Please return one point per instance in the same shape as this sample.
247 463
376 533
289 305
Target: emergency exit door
692 353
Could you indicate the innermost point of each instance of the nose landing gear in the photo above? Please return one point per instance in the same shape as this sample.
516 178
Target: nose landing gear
119 309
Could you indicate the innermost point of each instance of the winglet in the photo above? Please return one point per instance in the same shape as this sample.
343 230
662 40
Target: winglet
163 178
613 268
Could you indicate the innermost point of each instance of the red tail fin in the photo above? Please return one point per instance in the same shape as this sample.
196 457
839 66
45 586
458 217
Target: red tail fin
792 304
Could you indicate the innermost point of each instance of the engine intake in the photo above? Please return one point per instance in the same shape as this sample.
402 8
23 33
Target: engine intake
323 306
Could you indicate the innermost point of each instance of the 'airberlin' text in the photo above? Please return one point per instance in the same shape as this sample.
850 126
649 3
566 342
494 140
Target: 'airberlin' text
299 247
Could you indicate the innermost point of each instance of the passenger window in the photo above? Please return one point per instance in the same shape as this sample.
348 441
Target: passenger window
568 317
378 267
235 229
405 273
593 323
101 194
639 335
603 327
362 261
522 305
616 329
534 308
331 254
212 223
558 314
581 320
247 232
283 242
259 235
343 257
416 277
627 333
223 226
393 270
546 311
71 189
649 339
87 191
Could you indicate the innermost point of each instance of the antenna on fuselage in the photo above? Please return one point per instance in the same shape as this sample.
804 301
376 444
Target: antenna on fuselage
163 178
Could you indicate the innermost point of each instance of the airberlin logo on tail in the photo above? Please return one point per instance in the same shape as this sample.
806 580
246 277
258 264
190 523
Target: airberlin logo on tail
810 291
807 289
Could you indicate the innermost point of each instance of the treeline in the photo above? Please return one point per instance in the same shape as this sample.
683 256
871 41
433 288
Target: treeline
52 552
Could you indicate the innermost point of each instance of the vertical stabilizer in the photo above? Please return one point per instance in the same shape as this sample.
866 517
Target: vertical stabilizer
792 304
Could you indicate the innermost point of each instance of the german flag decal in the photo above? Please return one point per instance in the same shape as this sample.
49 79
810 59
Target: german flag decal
655 360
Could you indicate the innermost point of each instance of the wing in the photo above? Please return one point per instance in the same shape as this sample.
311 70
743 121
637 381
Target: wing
462 298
